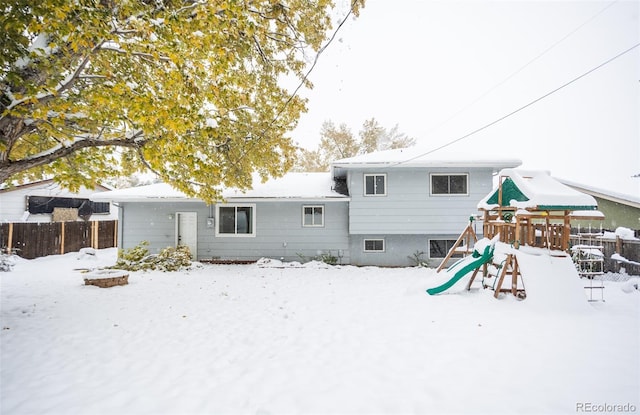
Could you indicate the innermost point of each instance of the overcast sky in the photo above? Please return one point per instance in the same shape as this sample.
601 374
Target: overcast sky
442 69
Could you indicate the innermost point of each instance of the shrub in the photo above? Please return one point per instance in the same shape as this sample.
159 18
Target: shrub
7 260
416 257
139 259
326 257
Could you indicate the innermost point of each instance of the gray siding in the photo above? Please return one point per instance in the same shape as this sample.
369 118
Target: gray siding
408 208
279 231
398 250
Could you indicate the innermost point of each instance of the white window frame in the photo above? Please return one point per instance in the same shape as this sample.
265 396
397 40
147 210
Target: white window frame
364 245
236 235
431 175
313 225
364 183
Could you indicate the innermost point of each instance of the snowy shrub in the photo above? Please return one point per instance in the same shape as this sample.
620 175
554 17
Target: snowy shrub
7 260
139 259
326 257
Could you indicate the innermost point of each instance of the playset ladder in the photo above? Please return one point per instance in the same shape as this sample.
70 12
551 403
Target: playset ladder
510 267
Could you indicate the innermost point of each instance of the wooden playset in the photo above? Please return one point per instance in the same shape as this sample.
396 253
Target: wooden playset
528 208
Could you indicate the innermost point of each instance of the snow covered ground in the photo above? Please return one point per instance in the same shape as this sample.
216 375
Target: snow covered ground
315 339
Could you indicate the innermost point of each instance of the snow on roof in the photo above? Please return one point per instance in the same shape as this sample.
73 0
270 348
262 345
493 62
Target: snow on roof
623 198
419 157
536 189
290 186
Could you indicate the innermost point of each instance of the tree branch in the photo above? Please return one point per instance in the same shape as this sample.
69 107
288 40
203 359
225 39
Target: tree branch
8 168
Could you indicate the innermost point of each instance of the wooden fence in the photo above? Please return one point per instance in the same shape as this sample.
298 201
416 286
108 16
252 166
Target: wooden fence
34 239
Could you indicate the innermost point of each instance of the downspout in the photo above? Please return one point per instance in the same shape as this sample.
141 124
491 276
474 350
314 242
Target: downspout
120 226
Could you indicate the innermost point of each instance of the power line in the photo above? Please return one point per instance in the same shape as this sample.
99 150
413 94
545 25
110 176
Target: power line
313 65
517 71
522 107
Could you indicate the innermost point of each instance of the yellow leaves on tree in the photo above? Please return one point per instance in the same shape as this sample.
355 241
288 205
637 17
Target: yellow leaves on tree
189 89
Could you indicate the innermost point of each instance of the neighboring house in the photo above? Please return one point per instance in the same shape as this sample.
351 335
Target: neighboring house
46 201
620 210
382 208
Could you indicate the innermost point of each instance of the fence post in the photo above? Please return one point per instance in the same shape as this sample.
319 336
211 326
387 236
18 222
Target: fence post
94 235
10 238
61 238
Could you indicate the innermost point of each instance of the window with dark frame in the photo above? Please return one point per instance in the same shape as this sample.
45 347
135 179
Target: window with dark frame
374 245
449 184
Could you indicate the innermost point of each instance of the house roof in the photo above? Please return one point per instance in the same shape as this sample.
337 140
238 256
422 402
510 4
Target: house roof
536 189
419 157
617 197
297 186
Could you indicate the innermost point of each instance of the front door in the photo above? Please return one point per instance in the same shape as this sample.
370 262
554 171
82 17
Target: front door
187 231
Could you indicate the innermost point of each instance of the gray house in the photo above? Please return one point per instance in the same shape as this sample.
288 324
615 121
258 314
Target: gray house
377 209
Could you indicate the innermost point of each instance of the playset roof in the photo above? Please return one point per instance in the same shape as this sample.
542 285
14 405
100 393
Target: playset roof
535 190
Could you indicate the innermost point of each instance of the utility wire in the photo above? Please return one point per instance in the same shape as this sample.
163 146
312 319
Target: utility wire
517 71
313 65
522 107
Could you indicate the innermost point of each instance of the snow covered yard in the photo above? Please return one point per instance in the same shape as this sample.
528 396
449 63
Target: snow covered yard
266 340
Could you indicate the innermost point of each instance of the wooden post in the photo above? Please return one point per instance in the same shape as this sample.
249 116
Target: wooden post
566 235
10 239
94 234
473 277
115 233
62 238
516 239
503 272
514 277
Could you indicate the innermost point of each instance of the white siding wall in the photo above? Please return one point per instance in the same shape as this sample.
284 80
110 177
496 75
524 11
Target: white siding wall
13 203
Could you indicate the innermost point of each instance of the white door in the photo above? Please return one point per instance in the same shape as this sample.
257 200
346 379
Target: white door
187 231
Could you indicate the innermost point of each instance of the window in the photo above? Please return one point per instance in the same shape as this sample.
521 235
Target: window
374 245
375 184
313 216
439 248
449 184
236 220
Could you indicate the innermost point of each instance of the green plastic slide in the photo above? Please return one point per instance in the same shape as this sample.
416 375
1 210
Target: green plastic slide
464 266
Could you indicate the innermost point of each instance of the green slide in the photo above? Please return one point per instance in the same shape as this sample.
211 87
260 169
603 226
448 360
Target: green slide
463 267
